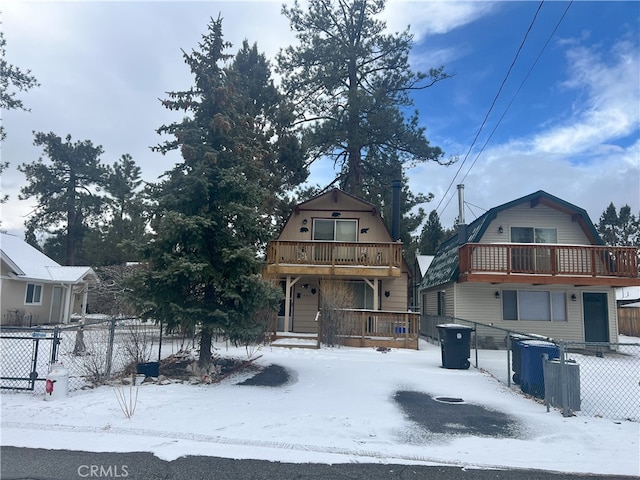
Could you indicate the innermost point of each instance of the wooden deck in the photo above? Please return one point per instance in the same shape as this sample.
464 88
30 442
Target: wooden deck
376 259
549 264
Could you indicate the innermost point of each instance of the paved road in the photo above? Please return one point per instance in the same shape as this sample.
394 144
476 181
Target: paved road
38 464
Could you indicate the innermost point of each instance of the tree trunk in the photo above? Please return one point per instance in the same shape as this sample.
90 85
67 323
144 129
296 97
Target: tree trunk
205 348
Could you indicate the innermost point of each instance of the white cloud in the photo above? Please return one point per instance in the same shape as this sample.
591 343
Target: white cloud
608 107
432 17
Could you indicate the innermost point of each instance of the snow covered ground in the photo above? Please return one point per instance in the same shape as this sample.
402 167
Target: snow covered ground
338 407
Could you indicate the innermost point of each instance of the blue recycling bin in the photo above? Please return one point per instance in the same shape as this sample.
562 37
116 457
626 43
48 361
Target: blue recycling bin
455 345
516 356
532 374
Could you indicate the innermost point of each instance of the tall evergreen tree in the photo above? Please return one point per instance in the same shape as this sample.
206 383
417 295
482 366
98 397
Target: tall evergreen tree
619 228
66 190
124 216
12 81
352 84
432 235
211 215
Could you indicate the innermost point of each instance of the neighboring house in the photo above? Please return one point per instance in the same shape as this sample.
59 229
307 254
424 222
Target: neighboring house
420 267
626 295
336 237
533 265
628 299
34 289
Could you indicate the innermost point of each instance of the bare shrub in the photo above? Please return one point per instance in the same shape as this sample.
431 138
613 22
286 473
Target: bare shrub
127 400
110 295
335 295
94 362
139 341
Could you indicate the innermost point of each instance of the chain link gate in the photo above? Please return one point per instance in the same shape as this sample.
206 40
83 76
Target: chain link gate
26 356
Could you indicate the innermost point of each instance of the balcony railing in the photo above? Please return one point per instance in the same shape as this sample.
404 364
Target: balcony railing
375 254
544 259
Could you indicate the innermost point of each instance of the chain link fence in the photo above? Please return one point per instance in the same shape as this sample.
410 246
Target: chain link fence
93 352
595 379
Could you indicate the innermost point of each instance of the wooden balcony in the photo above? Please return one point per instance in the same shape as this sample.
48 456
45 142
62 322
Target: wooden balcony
544 264
376 259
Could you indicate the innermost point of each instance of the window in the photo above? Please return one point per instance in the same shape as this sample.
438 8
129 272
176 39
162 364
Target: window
33 295
535 259
334 230
533 235
362 295
442 303
534 305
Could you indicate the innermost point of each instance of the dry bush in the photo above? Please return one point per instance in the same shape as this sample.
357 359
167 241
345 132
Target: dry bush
139 341
335 295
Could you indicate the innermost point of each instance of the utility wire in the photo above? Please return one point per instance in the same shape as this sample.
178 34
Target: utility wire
519 88
484 121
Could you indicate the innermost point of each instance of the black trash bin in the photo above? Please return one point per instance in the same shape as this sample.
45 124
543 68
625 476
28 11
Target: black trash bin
455 345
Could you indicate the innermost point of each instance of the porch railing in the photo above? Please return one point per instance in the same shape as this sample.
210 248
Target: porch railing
578 260
376 254
360 323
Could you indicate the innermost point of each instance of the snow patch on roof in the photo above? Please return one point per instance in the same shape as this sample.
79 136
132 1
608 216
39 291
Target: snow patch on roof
30 263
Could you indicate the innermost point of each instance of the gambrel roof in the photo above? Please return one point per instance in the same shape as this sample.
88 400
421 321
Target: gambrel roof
444 267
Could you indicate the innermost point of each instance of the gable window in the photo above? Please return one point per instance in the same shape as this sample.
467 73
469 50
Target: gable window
33 295
334 230
534 305
535 259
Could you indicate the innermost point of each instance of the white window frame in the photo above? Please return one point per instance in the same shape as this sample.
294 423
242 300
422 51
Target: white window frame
37 287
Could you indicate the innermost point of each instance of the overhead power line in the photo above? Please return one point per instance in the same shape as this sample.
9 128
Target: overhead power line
484 121
524 80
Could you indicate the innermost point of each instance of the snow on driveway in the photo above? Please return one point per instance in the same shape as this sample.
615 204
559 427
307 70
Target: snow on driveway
339 405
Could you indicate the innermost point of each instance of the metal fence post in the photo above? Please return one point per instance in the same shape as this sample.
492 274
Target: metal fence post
475 338
112 331
54 345
564 381
508 358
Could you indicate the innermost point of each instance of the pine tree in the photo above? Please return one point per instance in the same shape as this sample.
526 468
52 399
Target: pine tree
432 235
352 83
212 214
12 80
66 190
124 216
619 229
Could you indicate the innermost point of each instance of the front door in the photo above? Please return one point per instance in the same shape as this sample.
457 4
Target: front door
56 305
596 317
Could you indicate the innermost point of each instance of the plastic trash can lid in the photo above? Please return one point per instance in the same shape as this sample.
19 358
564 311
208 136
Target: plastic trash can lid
453 325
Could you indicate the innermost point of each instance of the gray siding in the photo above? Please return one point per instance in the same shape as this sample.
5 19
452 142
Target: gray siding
477 302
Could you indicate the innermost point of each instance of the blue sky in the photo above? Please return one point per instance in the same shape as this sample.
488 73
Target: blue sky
573 129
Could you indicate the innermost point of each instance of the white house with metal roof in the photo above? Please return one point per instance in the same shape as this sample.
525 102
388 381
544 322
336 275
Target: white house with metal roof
34 289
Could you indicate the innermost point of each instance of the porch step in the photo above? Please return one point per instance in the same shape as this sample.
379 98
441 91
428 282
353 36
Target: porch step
289 340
